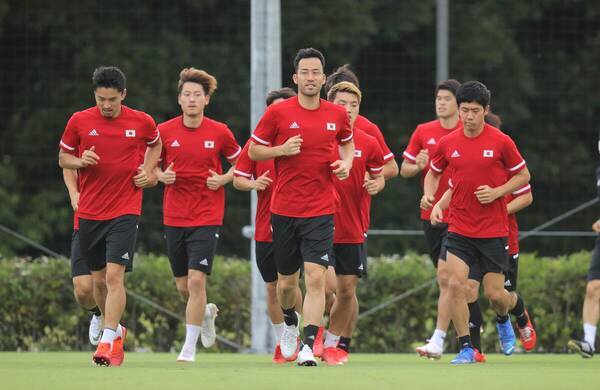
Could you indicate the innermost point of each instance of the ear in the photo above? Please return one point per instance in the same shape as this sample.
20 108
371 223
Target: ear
124 94
487 110
207 100
295 78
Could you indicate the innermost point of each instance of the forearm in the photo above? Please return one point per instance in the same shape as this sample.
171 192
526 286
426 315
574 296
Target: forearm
431 183
261 152
69 161
444 201
380 180
408 170
519 203
390 169
228 177
70 178
514 183
152 156
243 184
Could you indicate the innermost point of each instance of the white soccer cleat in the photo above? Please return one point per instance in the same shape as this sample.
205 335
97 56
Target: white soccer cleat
289 341
187 355
208 334
95 329
430 350
306 357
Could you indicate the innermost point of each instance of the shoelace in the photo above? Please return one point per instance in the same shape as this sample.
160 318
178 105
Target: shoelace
526 333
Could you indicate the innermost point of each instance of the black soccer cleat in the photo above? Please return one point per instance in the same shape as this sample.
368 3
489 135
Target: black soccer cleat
581 347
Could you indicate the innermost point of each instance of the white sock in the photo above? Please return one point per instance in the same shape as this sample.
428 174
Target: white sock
119 331
589 332
299 320
331 340
278 330
192 332
438 338
108 336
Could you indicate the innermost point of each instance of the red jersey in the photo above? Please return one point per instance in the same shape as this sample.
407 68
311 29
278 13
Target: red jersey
249 169
473 162
513 226
373 130
107 189
304 186
189 202
352 217
426 136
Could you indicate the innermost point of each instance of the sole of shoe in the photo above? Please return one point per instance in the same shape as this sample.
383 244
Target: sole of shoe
101 361
308 363
573 346
429 355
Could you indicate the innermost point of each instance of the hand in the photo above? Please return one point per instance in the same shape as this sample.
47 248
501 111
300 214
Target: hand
89 157
75 201
371 186
291 147
142 179
422 159
215 181
596 226
262 182
341 169
168 176
427 202
486 194
437 215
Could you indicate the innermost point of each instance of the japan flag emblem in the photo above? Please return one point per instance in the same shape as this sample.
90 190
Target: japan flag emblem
488 153
330 126
130 133
209 144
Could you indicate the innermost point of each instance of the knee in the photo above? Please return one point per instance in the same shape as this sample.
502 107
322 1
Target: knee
99 283
196 283
272 292
443 278
472 293
182 288
346 292
495 296
592 290
83 289
456 286
315 279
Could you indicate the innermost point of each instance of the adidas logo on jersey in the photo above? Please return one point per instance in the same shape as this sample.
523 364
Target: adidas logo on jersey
431 141
204 262
175 144
455 154
93 133
294 126
325 257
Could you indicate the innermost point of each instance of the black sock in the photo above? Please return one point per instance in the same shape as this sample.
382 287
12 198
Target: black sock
475 320
310 333
289 317
501 318
519 312
465 341
344 343
95 311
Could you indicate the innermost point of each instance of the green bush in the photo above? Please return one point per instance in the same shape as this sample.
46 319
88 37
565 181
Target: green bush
38 311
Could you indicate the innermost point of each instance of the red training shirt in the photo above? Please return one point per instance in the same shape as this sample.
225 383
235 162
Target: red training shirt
373 130
513 226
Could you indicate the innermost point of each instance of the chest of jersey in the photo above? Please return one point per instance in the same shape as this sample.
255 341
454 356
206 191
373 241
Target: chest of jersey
317 130
191 147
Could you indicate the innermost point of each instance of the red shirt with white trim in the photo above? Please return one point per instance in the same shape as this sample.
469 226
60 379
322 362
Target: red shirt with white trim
352 217
304 186
189 202
251 169
513 226
107 190
373 130
426 136
484 160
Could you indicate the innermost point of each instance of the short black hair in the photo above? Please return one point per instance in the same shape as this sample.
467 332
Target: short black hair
473 91
283 93
493 120
308 53
343 73
451 85
109 77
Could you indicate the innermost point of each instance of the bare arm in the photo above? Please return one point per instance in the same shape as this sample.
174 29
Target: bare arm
390 169
70 161
409 169
291 147
519 203
246 184
430 186
341 168
70 178
486 194
146 176
374 183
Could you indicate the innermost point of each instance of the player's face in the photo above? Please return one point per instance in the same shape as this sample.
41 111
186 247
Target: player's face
309 77
445 104
109 101
472 115
192 99
350 102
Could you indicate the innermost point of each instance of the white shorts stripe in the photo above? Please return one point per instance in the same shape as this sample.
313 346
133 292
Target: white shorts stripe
409 156
517 166
235 154
261 141
64 145
241 173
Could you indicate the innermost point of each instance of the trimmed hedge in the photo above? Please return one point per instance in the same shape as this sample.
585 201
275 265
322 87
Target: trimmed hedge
38 312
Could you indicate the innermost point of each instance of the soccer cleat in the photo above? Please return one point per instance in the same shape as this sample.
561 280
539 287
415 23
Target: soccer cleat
95 329
118 354
430 350
187 355
318 344
506 334
306 357
277 356
208 334
342 355
103 354
581 347
465 356
527 335
331 357
289 342
479 356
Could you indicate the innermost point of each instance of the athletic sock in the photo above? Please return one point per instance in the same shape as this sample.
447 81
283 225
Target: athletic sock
119 330
519 312
344 343
475 320
289 317
438 338
192 332
465 342
501 318
331 340
310 333
278 331
108 336
95 311
589 332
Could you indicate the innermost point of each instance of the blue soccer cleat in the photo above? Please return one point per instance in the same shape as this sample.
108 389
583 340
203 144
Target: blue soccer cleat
465 356
507 337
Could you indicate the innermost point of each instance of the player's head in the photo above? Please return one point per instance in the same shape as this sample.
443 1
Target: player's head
279 95
109 84
308 71
343 73
445 98
473 100
493 120
195 88
347 95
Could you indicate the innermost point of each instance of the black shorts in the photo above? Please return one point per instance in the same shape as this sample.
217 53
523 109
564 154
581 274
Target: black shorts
265 260
79 266
350 259
436 240
511 275
298 240
594 271
111 241
191 248
483 255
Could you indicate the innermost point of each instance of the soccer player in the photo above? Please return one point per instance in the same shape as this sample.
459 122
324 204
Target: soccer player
366 179
194 200
111 138
423 144
480 157
301 134
260 176
83 287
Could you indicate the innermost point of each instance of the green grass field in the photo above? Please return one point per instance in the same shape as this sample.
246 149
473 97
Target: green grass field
234 371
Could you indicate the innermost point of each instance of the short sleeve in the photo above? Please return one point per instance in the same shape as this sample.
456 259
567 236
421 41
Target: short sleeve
522 191
266 129
438 161
230 149
151 134
245 166
375 159
344 134
69 141
413 148
513 161
378 135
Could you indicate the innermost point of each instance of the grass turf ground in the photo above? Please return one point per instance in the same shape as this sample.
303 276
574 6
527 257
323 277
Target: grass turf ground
235 371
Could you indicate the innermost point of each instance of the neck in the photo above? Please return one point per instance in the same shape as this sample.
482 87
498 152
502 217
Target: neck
474 133
309 102
449 122
192 121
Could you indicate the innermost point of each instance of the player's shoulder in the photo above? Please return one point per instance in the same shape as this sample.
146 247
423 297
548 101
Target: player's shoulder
363 136
216 126
366 125
137 116
88 113
329 106
170 124
497 133
428 126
